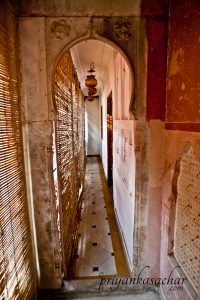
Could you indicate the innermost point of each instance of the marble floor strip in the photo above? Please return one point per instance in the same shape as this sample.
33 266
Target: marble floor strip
96 255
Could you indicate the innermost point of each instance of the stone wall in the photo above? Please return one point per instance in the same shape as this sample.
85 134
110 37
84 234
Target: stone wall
119 83
35 114
93 135
79 9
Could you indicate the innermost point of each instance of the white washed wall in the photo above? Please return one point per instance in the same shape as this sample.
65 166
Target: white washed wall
118 82
92 135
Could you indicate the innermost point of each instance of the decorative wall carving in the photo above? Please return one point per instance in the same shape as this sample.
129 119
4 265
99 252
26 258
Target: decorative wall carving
123 32
187 220
122 29
60 29
91 28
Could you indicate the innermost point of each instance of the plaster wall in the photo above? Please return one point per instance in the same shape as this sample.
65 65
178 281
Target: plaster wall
108 87
93 130
156 158
155 13
119 83
183 77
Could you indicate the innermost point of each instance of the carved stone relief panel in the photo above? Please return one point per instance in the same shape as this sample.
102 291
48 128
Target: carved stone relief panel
122 29
60 29
187 220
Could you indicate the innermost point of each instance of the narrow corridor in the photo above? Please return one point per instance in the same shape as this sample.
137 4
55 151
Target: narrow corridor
99 250
115 83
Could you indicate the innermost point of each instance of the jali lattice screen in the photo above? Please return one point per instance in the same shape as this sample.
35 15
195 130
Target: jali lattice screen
17 275
187 224
70 148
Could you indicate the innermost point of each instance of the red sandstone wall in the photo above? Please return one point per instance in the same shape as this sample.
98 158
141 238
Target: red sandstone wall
156 16
183 78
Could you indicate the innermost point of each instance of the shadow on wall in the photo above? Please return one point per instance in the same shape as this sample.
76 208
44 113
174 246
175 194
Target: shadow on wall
93 129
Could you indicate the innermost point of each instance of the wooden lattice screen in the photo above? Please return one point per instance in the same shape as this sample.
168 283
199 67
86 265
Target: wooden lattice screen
16 261
70 148
187 221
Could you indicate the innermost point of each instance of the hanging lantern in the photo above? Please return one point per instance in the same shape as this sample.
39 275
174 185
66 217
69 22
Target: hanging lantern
91 81
92 91
90 98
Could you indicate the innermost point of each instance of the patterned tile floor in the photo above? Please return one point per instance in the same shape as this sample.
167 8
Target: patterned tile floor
144 296
95 254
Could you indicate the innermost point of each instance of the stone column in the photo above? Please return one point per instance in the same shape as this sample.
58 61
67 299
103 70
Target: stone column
35 118
141 197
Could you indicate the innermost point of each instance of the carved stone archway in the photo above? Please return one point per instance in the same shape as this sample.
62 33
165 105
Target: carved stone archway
42 40
123 35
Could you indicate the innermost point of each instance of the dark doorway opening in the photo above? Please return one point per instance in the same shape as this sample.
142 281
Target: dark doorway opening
110 139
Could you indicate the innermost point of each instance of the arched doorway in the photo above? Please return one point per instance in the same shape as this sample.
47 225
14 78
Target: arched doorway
121 82
55 34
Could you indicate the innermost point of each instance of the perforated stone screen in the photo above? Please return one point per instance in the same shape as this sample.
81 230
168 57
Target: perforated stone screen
187 225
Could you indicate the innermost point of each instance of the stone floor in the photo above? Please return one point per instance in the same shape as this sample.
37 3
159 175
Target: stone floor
143 296
99 247
99 250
